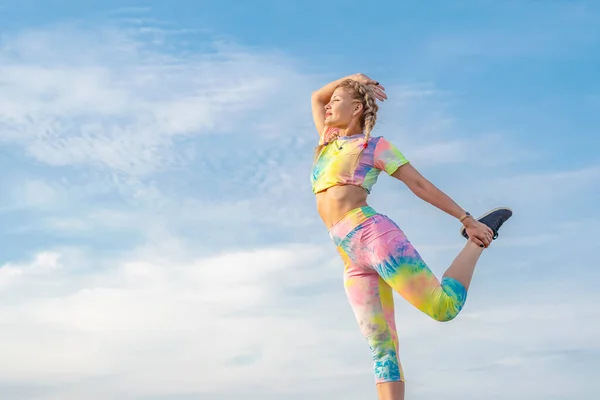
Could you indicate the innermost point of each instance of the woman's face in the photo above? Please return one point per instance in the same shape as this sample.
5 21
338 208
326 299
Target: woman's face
342 109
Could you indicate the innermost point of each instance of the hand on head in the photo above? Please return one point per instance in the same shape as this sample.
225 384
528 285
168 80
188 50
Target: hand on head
377 90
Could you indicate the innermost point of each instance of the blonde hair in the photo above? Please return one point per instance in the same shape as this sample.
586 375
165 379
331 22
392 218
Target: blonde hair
361 93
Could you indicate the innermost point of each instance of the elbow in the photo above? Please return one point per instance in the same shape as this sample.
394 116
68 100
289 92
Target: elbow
317 97
314 98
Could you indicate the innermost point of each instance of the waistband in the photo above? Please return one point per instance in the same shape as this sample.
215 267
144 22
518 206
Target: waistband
349 221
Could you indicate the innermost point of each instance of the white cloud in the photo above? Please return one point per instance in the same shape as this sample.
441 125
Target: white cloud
125 104
35 193
43 263
275 319
68 322
468 151
538 194
521 343
173 315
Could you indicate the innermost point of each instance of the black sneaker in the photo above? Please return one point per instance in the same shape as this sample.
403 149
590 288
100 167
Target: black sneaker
493 219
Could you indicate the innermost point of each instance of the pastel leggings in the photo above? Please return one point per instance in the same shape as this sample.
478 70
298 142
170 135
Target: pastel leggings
378 258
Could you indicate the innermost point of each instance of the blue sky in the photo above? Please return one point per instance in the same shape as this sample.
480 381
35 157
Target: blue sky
159 235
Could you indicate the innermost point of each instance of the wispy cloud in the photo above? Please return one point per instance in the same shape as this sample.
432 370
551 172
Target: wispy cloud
188 314
120 116
167 244
227 321
126 104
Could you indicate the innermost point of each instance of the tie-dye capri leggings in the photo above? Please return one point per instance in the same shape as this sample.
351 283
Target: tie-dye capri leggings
378 258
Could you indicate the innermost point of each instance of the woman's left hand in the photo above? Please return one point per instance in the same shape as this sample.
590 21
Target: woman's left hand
479 233
377 90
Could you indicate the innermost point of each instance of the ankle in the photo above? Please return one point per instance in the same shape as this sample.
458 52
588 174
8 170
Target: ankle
391 390
471 245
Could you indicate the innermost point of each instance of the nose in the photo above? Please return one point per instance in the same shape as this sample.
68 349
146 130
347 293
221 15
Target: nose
328 106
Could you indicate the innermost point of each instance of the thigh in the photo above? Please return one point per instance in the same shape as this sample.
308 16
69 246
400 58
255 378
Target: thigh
395 259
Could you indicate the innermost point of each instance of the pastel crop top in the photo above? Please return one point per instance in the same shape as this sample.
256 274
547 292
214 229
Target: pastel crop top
336 164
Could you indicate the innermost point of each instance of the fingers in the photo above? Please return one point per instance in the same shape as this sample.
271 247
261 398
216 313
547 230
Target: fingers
478 242
481 235
376 89
489 235
379 93
376 85
368 81
486 239
482 239
486 235
380 96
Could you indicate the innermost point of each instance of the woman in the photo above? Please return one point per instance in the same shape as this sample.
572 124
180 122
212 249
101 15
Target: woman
377 256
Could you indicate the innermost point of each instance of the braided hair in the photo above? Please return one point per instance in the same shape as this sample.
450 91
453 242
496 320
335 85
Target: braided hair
361 93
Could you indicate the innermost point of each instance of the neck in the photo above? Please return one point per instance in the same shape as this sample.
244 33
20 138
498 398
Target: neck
350 131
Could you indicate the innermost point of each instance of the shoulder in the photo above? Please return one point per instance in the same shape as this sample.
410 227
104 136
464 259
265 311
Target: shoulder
385 142
381 142
328 134
387 154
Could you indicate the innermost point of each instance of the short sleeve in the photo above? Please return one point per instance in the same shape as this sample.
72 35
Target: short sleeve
387 157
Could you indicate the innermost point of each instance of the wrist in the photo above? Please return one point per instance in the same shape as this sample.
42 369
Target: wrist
466 218
324 94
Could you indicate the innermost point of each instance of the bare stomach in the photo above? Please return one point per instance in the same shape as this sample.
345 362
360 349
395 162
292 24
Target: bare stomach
335 202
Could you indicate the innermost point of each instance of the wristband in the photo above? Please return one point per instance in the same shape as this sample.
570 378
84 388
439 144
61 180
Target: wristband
467 215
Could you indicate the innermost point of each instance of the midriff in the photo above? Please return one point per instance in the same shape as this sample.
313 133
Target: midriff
335 202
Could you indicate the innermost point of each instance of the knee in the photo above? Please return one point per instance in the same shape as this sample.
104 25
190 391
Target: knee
447 316
447 308
451 300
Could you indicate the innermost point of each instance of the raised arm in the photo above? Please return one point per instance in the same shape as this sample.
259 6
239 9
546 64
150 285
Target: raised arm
425 190
321 97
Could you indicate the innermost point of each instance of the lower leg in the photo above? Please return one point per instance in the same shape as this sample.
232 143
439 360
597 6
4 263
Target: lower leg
372 302
463 266
390 391
461 269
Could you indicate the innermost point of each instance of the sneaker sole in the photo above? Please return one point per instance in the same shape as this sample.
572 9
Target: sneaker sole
462 229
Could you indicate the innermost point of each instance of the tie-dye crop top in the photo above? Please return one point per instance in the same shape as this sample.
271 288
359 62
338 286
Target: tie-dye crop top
336 164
